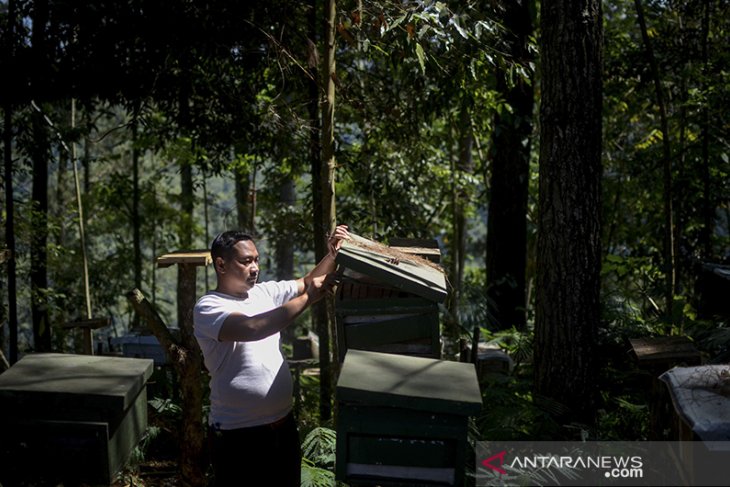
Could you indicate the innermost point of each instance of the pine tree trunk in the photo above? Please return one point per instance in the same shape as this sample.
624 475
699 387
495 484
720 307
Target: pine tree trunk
510 157
569 226
9 204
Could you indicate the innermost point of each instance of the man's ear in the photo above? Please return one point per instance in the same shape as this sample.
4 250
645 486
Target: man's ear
219 264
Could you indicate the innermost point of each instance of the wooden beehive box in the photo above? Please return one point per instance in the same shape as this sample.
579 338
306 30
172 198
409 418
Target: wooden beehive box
403 420
387 305
71 418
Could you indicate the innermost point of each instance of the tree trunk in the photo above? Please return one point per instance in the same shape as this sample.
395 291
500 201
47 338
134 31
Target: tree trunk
284 243
12 316
9 204
243 207
464 165
39 238
136 222
284 247
708 209
39 156
191 388
669 256
569 250
510 157
323 184
185 357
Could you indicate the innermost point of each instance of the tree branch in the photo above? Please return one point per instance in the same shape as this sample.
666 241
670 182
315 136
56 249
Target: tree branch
176 354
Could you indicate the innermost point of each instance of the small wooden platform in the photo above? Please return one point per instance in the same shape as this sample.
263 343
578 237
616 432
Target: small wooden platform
86 326
661 351
194 257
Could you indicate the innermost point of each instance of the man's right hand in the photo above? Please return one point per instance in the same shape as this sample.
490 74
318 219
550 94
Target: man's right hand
320 286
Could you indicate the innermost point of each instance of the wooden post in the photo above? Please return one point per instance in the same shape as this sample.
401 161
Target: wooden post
188 362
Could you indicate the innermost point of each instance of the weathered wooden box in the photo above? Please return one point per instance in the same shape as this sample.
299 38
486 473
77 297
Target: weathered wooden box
71 418
388 305
403 420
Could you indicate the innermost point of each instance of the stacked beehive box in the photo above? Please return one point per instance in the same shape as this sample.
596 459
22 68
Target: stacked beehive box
403 413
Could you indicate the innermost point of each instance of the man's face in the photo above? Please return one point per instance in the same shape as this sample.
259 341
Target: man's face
241 271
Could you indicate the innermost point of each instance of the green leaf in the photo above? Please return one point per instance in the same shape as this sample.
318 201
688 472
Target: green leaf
455 22
421 57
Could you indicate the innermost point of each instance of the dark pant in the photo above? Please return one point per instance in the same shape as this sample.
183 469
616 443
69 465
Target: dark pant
267 455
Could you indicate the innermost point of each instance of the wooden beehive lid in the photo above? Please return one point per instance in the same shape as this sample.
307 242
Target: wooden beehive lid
400 381
411 276
659 350
62 384
195 257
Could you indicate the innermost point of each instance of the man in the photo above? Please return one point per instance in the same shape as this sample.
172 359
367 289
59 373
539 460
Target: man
255 439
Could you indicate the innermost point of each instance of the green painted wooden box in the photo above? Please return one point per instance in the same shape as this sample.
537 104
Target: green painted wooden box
403 420
387 307
71 418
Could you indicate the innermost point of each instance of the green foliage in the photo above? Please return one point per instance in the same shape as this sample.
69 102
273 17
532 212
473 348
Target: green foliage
318 458
319 446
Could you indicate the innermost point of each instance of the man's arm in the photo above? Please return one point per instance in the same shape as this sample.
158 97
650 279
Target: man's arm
327 264
242 328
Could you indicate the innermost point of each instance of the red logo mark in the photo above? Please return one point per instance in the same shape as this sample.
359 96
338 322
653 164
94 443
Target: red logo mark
500 456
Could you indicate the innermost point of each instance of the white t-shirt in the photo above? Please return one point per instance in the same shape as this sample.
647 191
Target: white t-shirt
250 382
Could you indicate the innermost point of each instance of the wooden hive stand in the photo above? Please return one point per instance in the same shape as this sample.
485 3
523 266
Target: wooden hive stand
189 363
656 355
87 326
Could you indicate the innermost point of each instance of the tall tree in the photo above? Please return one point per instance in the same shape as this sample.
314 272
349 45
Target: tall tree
9 53
464 167
569 251
669 230
509 178
40 154
323 182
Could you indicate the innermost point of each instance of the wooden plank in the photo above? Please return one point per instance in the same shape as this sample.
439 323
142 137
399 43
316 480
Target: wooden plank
665 349
193 257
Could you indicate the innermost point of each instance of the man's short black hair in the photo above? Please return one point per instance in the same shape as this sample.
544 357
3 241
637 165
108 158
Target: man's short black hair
222 245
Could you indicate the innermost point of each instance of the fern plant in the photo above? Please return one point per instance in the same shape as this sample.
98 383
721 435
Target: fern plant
318 458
